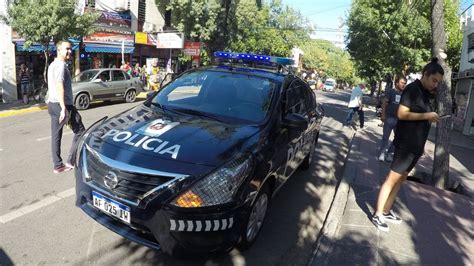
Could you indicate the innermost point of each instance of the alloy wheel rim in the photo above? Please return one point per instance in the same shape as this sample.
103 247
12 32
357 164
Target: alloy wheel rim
257 216
83 101
130 96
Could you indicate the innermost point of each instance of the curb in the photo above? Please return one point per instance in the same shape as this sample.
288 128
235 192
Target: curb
32 109
324 244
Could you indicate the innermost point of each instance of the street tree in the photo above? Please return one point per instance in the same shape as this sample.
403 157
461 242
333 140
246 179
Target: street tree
45 21
327 58
245 25
440 176
395 36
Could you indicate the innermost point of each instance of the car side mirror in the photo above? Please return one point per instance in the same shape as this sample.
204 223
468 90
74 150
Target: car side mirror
295 121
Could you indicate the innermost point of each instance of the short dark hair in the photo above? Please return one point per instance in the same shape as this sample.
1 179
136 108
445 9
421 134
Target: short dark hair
433 67
399 77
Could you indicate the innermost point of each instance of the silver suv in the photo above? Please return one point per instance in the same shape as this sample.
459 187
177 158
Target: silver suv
104 84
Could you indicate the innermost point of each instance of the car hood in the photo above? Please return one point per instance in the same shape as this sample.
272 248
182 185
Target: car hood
167 139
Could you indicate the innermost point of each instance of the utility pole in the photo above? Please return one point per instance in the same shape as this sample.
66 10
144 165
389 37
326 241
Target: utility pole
440 175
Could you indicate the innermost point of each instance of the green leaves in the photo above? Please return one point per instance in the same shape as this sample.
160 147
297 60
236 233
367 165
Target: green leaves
395 36
243 26
43 21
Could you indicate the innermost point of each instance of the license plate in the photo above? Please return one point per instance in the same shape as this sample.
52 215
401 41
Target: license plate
111 207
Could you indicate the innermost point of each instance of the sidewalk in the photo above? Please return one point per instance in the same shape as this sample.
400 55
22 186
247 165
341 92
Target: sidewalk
437 229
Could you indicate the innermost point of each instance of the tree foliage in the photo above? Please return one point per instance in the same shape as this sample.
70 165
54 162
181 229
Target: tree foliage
328 60
43 21
241 25
395 36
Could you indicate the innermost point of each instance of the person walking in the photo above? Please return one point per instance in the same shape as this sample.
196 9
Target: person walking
389 117
355 105
415 115
61 107
25 82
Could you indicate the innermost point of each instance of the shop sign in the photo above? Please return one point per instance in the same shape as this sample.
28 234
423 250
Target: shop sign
170 40
110 38
120 20
141 38
192 48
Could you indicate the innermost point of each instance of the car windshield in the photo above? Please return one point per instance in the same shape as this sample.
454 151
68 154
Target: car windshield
86 76
329 83
221 94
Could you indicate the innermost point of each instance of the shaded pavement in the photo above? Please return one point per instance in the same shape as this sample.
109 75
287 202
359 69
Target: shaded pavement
438 226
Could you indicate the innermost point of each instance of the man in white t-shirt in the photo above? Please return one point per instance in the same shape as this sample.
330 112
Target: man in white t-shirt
61 107
355 105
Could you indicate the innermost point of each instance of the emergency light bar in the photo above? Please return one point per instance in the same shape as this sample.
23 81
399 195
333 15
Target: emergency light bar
255 58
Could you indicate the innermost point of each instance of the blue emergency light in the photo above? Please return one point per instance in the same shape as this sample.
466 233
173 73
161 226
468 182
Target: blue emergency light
254 57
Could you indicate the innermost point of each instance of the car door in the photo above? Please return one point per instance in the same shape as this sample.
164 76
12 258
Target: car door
291 153
118 84
100 86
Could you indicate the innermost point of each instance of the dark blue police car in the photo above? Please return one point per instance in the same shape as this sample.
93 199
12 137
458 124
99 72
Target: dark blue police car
194 167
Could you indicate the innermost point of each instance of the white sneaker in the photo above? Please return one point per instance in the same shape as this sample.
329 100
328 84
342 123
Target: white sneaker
382 157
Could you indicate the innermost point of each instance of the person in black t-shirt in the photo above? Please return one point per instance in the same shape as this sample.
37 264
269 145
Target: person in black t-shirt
415 115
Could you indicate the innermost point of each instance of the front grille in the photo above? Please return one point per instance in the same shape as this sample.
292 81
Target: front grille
131 185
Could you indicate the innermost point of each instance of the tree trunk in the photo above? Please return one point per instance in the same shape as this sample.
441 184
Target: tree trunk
440 175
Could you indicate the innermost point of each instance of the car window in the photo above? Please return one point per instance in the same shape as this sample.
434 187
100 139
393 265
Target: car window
85 76
104 76
296 98
233 95
118 75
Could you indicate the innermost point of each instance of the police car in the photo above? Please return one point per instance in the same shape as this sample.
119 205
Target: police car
193 168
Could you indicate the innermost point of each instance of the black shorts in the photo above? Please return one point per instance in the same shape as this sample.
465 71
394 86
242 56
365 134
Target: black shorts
404 160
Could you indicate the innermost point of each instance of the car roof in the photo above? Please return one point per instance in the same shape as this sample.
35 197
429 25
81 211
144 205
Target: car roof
263 73
102 69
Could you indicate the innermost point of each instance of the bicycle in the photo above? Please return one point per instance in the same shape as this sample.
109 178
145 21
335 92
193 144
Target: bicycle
40 89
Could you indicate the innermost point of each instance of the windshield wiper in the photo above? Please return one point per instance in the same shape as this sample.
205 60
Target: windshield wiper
198 113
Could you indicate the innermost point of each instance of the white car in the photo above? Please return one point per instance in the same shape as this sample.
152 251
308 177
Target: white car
329 85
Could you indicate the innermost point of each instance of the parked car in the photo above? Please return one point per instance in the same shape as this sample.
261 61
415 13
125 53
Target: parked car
329 84
104 84
194 167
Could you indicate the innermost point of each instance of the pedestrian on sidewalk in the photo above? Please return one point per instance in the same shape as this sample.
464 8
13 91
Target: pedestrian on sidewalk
25 82
61 107
355 105
389 117
415 115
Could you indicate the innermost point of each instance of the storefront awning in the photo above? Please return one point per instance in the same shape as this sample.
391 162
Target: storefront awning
114 49
38 48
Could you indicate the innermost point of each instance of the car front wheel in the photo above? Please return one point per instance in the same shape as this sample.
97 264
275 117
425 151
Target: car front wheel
255 219
130 96
82 101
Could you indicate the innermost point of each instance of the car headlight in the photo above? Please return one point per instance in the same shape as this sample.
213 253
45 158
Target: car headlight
218 187
83 138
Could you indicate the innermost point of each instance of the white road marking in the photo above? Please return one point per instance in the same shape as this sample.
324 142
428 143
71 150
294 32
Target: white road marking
45 138
36 206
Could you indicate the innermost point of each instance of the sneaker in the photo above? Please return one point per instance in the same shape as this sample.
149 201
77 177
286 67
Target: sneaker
391 217
382 157
389 157
70 165
380 223
61 168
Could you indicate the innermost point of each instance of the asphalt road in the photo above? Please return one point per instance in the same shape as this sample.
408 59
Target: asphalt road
39 223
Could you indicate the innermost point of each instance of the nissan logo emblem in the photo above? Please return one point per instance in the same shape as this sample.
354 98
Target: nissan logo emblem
111 180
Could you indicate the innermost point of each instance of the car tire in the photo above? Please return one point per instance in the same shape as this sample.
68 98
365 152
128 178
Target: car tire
255 218
309 158
82 101
130 96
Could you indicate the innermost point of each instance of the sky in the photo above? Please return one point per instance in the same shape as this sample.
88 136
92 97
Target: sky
326 16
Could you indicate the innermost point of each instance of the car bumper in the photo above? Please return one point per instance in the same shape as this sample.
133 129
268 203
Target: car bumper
164 229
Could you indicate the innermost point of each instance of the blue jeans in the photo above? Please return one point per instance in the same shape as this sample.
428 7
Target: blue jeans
388 127
352 110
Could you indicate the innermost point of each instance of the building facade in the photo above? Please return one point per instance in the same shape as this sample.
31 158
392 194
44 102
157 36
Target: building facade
463 119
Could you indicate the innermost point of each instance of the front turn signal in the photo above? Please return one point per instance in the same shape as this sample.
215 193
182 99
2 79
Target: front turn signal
188 200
